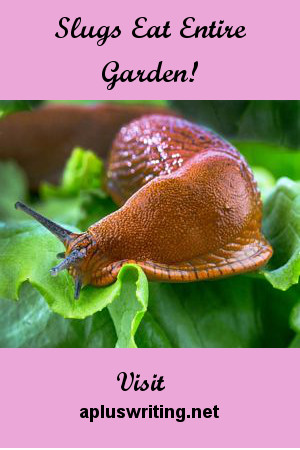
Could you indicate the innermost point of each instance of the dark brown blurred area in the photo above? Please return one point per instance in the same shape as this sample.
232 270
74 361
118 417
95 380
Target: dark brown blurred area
41 140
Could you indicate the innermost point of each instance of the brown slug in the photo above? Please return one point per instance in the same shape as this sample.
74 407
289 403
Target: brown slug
190 209
55 130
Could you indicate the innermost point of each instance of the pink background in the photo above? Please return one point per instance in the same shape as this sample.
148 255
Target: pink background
43 390
257 390
37 65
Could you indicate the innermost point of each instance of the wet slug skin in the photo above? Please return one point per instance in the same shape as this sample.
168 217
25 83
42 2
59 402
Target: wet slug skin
189 210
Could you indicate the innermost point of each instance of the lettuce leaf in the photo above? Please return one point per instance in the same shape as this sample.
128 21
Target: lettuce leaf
84 171
79 200
239 311
128 309
21 266
281 226
31 323
13 187
279 161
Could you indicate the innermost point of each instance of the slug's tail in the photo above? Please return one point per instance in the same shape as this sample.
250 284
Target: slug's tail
65 236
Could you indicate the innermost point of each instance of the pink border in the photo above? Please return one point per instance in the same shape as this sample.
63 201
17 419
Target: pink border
37 65
257 391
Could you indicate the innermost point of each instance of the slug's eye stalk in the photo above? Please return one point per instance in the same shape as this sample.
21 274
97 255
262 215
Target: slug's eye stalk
65 236
78 284
71 260
75 256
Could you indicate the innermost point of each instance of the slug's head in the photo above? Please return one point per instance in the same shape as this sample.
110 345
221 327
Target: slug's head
79 247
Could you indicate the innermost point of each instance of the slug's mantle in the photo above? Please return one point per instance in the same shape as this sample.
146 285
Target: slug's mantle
190 209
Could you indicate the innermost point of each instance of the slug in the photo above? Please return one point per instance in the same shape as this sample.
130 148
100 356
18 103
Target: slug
190 209
56 130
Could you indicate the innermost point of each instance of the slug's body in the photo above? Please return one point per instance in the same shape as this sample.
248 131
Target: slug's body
191 209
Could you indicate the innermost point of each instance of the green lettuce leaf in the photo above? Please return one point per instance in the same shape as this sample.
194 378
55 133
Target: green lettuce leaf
281 226
13 187
295 324
33 243
235 312
265 181
84 171
130 306
17 267
280 161
295 318
79 199
31 323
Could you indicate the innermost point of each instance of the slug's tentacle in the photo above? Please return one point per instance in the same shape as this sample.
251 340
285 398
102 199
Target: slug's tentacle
76 247
78 285
71 260
61 233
